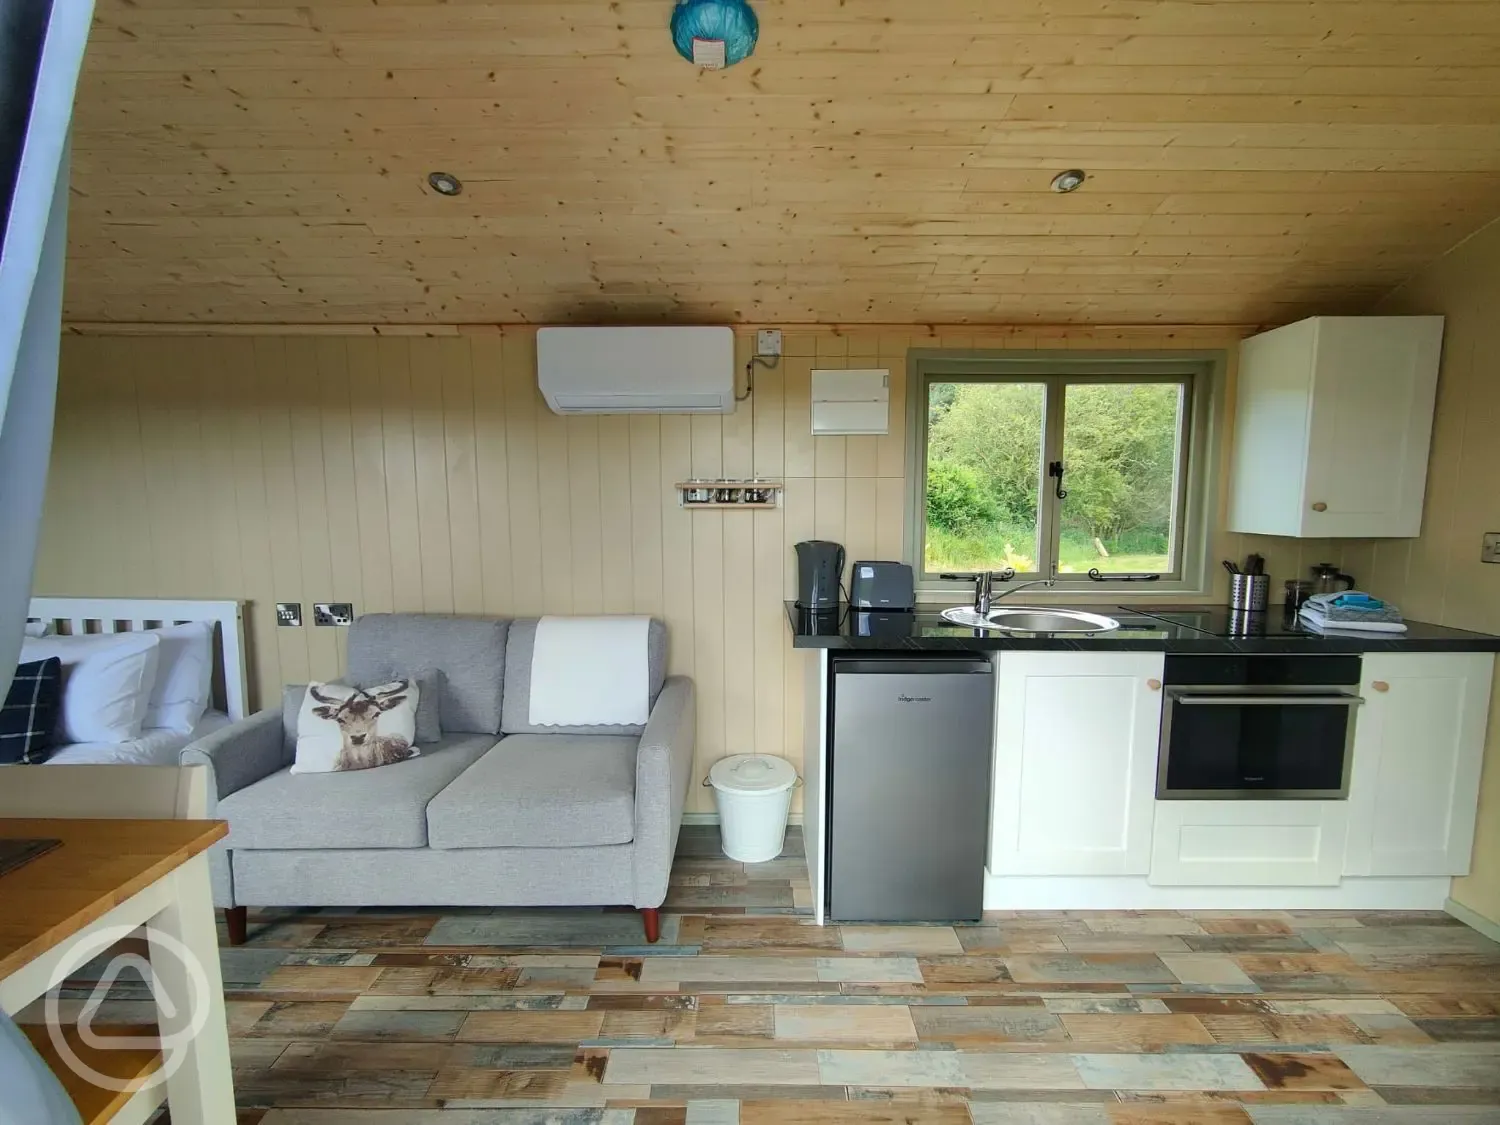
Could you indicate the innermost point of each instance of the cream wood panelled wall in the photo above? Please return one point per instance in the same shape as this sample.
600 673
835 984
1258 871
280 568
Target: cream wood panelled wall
1438 576
416 473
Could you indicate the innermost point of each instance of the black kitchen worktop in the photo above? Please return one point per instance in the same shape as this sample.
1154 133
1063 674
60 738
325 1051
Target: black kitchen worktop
1206 629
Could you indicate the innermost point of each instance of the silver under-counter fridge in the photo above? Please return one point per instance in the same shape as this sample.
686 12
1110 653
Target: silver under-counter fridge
909 786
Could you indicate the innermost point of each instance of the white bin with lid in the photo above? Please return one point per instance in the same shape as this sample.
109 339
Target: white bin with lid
754 795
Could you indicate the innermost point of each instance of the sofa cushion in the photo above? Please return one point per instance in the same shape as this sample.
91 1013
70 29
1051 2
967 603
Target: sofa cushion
343 728
516 713
540 791
429 724
292 696
468 651
384 808
29 714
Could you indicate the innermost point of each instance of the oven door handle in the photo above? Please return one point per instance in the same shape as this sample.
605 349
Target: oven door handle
1289 700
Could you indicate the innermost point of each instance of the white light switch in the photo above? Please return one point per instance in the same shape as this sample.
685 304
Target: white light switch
1490 552
768 341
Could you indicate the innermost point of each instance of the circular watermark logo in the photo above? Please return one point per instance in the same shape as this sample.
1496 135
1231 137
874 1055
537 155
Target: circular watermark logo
173 1034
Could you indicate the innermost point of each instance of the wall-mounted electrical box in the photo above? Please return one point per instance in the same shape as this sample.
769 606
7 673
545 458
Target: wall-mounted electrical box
851 402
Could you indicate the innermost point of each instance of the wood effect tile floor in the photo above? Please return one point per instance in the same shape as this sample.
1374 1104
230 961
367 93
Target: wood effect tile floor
748 1013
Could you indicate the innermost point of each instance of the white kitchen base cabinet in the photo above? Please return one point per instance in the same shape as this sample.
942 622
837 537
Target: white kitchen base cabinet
1075 762
1248 843
1333 418
1418 751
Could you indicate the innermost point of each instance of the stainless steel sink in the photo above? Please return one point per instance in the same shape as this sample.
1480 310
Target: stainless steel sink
964 615
1023 619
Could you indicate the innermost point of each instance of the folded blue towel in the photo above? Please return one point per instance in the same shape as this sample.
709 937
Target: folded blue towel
1352 606
1321 623
1352 599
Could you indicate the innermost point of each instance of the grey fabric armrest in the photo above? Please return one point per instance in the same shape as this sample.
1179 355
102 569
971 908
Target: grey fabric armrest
239 754
236 756
663 773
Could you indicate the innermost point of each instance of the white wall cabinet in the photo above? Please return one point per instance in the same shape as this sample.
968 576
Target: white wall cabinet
1333 418
1075 762
1248 843
1418 750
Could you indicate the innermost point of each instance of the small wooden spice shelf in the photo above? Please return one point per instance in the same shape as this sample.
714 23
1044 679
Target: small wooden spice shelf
729 495
715 505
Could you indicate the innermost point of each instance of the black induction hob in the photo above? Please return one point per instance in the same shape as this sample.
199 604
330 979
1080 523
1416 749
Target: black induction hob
1221 621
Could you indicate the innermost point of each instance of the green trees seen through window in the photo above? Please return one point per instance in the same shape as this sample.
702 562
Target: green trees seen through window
1121 447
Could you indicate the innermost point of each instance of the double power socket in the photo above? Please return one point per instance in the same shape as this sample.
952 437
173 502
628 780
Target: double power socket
324 613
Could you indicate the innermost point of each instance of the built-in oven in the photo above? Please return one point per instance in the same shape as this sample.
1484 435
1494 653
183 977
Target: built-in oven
1257 727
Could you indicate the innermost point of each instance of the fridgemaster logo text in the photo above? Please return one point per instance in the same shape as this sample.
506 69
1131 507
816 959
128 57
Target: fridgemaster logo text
914 699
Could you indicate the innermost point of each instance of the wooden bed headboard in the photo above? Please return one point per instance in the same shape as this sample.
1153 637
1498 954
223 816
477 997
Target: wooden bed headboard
125 615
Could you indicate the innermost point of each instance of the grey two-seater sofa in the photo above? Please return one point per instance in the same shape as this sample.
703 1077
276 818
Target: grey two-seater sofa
496 813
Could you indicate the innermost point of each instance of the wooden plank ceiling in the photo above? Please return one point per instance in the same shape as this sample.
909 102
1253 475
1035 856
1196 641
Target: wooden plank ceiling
1250 161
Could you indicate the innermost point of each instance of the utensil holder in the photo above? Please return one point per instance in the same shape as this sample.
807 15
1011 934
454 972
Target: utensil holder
1249 591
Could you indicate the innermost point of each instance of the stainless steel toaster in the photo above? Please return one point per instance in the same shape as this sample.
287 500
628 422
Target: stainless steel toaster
882 585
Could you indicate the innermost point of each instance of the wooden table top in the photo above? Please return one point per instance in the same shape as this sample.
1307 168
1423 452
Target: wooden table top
100 864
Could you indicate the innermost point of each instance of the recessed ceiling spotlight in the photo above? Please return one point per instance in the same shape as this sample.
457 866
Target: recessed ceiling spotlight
1071 180
445 183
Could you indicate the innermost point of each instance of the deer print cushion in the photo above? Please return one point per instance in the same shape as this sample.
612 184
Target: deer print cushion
429 694
350 728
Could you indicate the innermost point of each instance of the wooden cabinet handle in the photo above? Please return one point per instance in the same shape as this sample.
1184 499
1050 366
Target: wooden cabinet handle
1154 685
1320 507
1381 685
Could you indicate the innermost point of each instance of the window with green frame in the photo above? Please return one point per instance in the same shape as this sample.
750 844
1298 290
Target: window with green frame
1074 470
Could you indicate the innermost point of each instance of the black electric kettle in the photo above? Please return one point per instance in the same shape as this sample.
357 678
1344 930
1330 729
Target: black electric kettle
820 569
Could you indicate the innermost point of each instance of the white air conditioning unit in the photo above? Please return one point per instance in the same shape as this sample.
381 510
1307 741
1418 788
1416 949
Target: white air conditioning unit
636 370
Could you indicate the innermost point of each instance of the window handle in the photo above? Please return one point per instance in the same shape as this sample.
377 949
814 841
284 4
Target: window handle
1095 575
996 575
1055 469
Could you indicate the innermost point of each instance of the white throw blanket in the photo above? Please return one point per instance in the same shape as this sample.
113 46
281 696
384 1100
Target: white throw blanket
590 671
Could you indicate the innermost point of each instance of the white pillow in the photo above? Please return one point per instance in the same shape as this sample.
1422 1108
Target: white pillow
107 682
184 676
349 728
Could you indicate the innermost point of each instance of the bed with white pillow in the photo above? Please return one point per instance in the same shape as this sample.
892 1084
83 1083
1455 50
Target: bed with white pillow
142 677
157 746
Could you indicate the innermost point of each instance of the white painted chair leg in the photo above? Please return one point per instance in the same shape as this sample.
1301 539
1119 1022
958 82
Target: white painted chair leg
200 1091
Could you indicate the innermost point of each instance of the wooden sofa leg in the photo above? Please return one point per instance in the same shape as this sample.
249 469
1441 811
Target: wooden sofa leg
652 920
236 922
